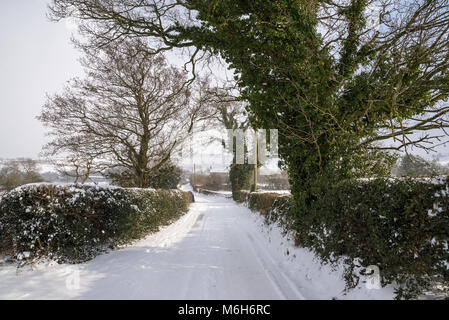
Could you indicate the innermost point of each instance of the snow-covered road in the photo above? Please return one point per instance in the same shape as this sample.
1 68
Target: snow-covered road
216 251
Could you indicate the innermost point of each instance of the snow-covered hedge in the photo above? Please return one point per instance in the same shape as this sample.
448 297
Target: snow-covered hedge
399 225
241 196
262 202
155 208
73 223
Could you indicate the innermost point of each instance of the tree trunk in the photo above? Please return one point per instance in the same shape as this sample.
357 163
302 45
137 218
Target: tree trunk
141 177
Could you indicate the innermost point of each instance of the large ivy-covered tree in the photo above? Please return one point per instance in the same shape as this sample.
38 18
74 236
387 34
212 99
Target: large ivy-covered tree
334 85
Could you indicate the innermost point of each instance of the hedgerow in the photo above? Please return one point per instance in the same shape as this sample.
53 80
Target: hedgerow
401 226
241 196
262 202
74 223
155 208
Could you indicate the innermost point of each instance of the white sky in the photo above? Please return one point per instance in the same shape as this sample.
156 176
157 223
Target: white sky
36 57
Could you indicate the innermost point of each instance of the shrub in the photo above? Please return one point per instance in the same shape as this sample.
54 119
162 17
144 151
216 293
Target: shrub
401 226
64 223
280 212
188 197
240 196
167 177
5 242
74 223
122 178
154 208
262 202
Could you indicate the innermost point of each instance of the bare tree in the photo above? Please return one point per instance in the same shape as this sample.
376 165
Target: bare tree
132 111
19 172
78 166
229 110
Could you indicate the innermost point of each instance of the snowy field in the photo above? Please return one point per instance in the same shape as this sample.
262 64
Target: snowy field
219 250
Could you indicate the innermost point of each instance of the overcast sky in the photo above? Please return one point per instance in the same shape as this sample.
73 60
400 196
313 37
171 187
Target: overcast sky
36 57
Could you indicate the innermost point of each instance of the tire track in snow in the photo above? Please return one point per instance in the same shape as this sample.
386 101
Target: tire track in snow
280 280
198 225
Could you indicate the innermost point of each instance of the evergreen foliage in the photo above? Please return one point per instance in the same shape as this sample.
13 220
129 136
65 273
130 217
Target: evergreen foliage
416 166
399 225
74 223
167 177
240 177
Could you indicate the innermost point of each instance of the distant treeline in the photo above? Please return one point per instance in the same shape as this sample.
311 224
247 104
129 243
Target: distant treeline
416 166
17 172
216 181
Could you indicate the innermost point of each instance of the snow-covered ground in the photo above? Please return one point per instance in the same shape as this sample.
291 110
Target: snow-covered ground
274 191
219 250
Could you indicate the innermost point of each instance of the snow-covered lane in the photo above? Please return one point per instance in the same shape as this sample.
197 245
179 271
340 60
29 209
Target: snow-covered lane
214 260
207 254
216 251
